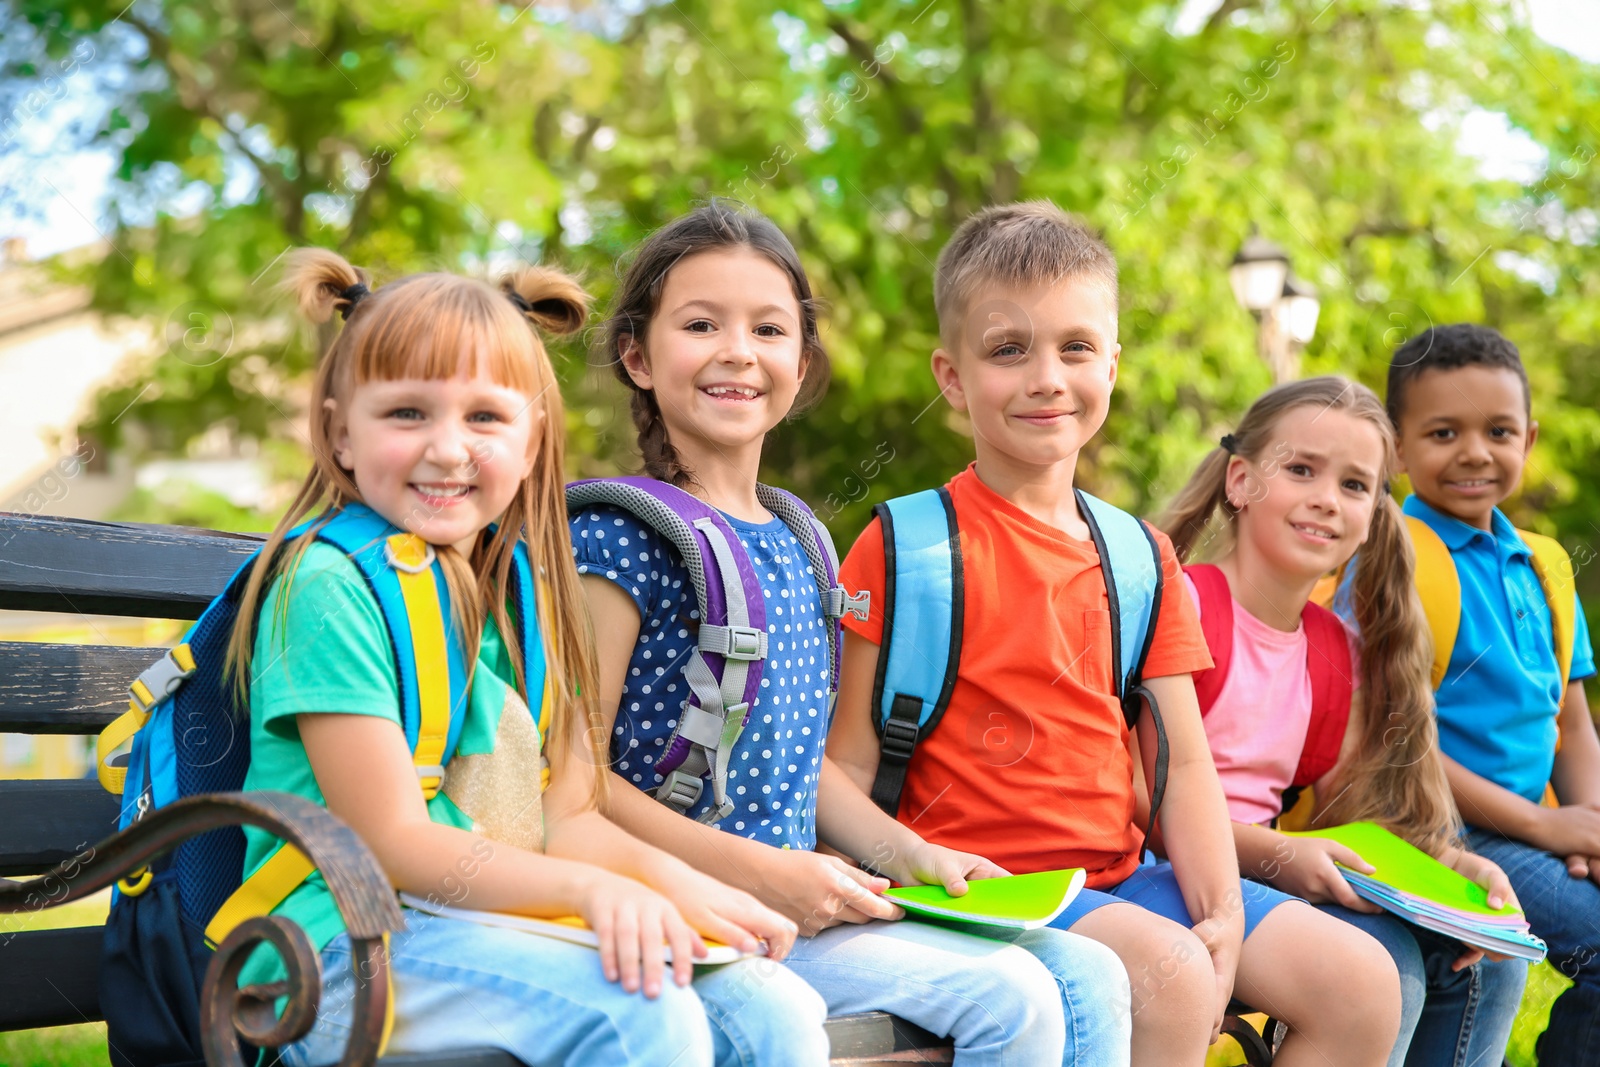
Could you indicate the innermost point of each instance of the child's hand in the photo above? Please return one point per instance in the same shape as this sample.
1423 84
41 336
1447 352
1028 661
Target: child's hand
822 891
1568 830
1310 873
930 864
732 916
1486 873
635 924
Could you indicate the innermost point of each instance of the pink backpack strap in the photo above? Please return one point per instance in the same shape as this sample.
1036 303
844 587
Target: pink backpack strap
1332 685
1216 622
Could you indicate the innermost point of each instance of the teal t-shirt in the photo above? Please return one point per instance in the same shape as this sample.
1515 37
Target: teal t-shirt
327 652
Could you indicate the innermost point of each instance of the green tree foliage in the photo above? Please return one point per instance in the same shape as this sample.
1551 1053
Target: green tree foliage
416 133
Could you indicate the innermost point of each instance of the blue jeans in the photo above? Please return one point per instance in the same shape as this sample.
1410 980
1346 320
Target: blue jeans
1447 1019
1565 911
459 984
1047 997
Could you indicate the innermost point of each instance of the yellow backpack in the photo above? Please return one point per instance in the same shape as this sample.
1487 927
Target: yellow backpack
1439 587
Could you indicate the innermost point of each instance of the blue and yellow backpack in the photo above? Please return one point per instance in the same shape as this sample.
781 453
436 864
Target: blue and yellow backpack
190 735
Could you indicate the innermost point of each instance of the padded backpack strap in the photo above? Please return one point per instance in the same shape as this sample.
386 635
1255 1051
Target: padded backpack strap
724 672
408 583
1130 564
1439 587
1216 622
817 542
1332 685
529 598
922 616
1554 568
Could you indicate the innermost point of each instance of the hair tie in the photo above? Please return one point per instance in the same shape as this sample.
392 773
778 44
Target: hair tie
519 300
352 295
1229 444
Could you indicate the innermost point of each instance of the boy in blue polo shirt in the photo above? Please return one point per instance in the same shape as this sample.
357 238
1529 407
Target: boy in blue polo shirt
1513 717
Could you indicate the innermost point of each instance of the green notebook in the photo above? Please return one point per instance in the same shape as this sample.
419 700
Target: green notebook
1018 902
1409 869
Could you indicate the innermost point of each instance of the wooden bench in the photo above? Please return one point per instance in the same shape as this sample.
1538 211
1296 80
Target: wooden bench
64 830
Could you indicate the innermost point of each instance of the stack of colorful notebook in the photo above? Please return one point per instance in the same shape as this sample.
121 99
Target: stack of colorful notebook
1418 888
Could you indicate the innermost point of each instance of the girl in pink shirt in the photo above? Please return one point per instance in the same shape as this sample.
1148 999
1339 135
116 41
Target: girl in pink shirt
1298 487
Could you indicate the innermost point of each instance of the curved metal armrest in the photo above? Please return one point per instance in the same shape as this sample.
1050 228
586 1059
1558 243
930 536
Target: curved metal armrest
361 890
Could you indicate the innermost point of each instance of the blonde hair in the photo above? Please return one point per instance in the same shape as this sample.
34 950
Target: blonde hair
1396 778
422 326
1023 245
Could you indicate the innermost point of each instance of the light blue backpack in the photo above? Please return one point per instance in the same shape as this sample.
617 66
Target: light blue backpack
922 612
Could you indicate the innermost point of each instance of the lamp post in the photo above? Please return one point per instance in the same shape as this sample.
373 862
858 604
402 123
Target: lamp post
1285 307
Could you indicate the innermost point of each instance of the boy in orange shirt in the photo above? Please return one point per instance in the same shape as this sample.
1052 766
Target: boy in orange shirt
1032 764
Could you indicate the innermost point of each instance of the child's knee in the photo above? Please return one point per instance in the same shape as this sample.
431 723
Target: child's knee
766 1012
1170 973
671 1028
1359 986
1025 995
1090 976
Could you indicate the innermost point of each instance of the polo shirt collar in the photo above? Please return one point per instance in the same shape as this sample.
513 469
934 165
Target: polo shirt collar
1457 535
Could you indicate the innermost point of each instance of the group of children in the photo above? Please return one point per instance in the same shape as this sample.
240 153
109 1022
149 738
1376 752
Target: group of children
1077 702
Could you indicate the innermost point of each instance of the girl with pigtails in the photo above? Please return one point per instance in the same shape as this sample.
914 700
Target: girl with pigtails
1297 701
437 429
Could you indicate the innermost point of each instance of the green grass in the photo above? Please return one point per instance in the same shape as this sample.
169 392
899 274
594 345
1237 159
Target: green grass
58 1046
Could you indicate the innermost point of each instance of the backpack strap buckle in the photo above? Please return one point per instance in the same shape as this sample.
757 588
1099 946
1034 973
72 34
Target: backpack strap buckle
681 791
162 678
733 642
899 739
839 602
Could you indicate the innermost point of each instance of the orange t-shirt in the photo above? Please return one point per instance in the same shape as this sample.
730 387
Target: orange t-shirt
1030 765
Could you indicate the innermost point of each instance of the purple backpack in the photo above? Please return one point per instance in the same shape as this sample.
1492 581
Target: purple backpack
724 673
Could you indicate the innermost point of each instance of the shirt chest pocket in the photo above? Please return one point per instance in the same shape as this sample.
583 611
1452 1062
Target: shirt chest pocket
1093 649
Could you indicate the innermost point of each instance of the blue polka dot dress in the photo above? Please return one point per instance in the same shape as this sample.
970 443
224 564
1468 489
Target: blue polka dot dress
772 778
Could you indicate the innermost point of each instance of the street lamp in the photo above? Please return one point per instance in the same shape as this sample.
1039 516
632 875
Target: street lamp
1285 307
1259 270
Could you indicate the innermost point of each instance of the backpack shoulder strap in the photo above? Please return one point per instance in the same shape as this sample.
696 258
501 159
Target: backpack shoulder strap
817 542
530 600
922 615
724 673
407 580
1332 685
1554 568
1439 587
1130 561
1216 622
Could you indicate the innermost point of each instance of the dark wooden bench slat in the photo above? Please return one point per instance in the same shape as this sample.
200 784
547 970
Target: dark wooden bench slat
66 689
47 822
83 567
870 1034
48 977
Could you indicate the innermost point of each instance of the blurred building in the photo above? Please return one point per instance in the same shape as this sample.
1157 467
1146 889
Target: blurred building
56 353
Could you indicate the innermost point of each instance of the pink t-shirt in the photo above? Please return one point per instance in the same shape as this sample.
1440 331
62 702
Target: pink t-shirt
1257 727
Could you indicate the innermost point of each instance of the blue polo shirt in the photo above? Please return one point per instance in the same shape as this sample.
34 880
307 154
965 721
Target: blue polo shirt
1497 703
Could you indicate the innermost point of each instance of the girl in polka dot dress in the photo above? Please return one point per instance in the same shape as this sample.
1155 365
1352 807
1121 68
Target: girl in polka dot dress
715 335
